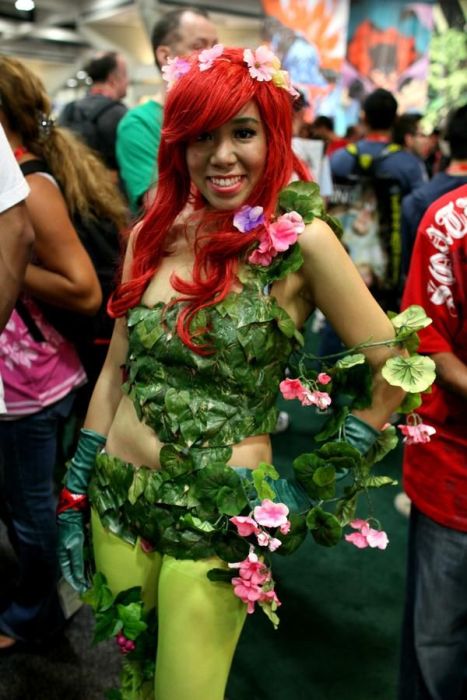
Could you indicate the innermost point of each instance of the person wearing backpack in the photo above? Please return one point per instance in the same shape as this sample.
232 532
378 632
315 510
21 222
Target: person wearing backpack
95 117
370 178
41 369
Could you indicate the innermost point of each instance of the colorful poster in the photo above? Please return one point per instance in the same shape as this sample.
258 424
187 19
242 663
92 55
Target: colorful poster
388 46
447 77
309 36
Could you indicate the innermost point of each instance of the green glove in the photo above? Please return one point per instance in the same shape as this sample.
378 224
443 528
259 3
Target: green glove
359 434
70 510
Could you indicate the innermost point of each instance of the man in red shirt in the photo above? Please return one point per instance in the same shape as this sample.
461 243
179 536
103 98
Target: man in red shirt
434 646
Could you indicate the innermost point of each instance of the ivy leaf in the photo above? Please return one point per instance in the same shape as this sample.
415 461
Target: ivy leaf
410 403
140 478
376 482
295 537
260 475
304 198
175 462
222 575
413 374
305 466
324 526
98 596
131 617
107 626
341 455
387 440
345 510
325 478
332 426
348 361
196 523
410 321
231 501
334 223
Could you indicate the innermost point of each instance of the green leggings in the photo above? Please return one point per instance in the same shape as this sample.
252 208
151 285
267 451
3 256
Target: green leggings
199 621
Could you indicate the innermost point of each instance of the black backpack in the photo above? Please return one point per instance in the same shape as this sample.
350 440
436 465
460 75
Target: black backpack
82 117
101 240
368 205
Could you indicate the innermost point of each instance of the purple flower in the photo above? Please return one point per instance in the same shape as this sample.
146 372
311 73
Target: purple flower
174 69
248 218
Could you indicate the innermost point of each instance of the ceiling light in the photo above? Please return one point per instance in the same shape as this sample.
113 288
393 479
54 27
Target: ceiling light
25 5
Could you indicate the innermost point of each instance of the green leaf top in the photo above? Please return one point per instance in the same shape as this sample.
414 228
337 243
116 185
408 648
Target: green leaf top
413 374
352 360
410 321
304 198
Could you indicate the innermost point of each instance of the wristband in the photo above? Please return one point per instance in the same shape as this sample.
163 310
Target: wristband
71 501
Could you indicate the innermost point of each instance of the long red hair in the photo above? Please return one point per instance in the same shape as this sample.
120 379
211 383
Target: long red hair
201 101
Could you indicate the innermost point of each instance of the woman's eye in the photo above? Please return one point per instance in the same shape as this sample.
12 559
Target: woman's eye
244 133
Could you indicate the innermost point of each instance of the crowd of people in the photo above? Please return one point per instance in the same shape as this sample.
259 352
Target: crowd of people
160 263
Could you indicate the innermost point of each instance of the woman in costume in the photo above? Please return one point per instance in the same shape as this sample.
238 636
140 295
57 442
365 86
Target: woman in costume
215 284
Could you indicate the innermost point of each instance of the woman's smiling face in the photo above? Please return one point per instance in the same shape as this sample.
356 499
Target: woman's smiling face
226 163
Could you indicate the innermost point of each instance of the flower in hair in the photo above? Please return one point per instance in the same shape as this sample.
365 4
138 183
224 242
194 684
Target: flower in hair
248 218
174 69
262 63
207 57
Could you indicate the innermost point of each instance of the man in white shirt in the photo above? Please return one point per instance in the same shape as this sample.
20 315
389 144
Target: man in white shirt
16 234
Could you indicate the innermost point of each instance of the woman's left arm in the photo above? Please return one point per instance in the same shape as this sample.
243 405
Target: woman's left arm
337 289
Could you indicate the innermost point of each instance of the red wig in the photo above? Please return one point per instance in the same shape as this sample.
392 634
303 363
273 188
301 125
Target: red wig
201 101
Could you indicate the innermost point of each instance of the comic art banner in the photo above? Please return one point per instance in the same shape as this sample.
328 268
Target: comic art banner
338 52
309 36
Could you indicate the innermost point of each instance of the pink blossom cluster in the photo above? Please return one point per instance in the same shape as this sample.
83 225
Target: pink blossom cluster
277 237
126 645
268 514
416 434
254 583
263 65
366 536
207 57
294 389
174 69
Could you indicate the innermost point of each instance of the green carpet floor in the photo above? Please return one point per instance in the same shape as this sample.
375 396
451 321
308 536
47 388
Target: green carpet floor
340 619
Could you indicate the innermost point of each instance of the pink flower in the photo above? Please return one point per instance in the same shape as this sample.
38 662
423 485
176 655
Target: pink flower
270 514
284 232
252 569
320 399
357 539
263 538
291 389
415 434
262 63
270 597
245 526
323 378
247 591
274 543
377 538
174 69
367 537
285 528
207 57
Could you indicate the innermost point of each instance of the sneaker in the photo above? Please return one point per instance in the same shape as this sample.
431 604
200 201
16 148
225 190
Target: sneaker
282 423
402 504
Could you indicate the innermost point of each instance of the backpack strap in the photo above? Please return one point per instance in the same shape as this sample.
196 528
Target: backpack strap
34 330
34 166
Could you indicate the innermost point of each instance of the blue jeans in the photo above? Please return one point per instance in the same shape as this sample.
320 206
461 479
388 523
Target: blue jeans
434 636
28 448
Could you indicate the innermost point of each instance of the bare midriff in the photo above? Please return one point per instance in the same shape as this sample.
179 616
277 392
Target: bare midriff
133 441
